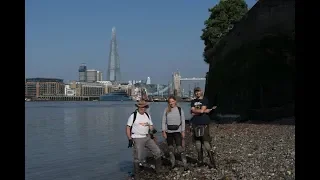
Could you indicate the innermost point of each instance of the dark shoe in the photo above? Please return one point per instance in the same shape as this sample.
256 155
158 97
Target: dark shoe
172 160
159 168
212 160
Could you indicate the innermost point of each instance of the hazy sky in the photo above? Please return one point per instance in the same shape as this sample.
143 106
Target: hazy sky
155 38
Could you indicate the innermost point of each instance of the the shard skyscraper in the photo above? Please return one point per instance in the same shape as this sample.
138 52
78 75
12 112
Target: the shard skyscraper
113 73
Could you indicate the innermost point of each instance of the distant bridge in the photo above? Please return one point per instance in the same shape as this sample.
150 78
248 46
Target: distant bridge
175 85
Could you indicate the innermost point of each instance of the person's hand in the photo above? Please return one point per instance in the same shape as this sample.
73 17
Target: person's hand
130 143
183 134
164 134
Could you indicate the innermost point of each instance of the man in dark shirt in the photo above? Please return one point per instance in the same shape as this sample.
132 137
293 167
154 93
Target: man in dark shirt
200 122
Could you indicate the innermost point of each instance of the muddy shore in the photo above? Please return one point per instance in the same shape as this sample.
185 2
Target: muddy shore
243 151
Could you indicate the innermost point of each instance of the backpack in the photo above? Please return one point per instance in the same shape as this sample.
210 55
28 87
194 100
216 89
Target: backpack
174 127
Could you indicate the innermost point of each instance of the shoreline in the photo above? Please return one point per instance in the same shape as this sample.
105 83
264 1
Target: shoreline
243 151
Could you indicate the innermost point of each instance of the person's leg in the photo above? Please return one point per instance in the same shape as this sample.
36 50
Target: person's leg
138 154
180 149
207 145
198 142
156 152
170 139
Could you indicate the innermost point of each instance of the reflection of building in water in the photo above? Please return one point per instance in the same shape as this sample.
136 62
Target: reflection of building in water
70 129
81 119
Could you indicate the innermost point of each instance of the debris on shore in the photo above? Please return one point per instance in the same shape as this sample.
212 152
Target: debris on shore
243 151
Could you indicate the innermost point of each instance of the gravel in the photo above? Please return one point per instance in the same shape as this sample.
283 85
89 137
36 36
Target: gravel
243 151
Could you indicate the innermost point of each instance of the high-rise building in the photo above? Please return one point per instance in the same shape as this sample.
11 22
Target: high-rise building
83 73
113 72
92 75
99 76
148 80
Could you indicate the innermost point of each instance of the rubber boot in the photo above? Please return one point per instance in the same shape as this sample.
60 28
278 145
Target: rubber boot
184 161
212 160
159 168
172 160
200 158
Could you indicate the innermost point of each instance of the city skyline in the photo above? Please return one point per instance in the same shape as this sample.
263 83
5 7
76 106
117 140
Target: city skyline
56 43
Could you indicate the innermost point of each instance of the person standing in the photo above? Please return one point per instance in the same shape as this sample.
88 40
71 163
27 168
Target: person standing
200 125
138 126
173 130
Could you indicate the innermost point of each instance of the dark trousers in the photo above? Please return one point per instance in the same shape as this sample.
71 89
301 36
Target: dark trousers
174 138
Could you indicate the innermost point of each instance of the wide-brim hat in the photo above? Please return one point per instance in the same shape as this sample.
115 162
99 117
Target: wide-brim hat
142 103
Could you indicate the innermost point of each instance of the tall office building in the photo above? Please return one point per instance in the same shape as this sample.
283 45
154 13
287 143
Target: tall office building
99 76
92 75
113 72
83 73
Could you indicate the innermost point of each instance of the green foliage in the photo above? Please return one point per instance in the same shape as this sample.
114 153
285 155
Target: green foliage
221 20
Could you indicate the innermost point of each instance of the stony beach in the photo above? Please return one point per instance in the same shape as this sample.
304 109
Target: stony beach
243 151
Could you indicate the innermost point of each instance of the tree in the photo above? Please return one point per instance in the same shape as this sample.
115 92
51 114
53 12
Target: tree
221 20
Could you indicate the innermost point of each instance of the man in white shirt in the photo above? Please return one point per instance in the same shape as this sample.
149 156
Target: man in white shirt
138 126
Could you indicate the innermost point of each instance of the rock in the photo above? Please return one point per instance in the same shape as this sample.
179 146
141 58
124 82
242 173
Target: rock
243 151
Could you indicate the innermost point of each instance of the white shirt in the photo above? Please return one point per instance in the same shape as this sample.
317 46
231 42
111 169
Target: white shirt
140 128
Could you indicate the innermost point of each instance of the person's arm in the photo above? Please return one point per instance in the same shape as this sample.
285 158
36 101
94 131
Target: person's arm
164 128
183 124
205 104
195 111
128 127
150 123
183 119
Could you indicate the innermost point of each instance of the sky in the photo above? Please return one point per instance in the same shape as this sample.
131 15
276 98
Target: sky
155 38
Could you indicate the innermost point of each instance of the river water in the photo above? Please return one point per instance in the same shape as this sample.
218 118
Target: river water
81 140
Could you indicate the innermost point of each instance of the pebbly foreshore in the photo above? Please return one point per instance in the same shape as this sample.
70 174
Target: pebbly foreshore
243 151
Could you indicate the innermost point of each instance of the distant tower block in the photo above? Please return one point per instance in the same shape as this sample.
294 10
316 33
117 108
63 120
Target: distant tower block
177 84
148 80
83 73
113 72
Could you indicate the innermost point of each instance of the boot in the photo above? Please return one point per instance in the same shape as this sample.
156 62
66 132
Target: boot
159 168
200 158
137 169
212 160
184 161
172 160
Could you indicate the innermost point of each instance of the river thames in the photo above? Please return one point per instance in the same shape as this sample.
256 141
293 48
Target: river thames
81 140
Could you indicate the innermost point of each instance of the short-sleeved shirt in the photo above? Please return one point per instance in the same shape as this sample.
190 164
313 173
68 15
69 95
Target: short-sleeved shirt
201 119
140 128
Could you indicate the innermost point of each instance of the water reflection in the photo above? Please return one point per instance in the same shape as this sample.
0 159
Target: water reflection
80 140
